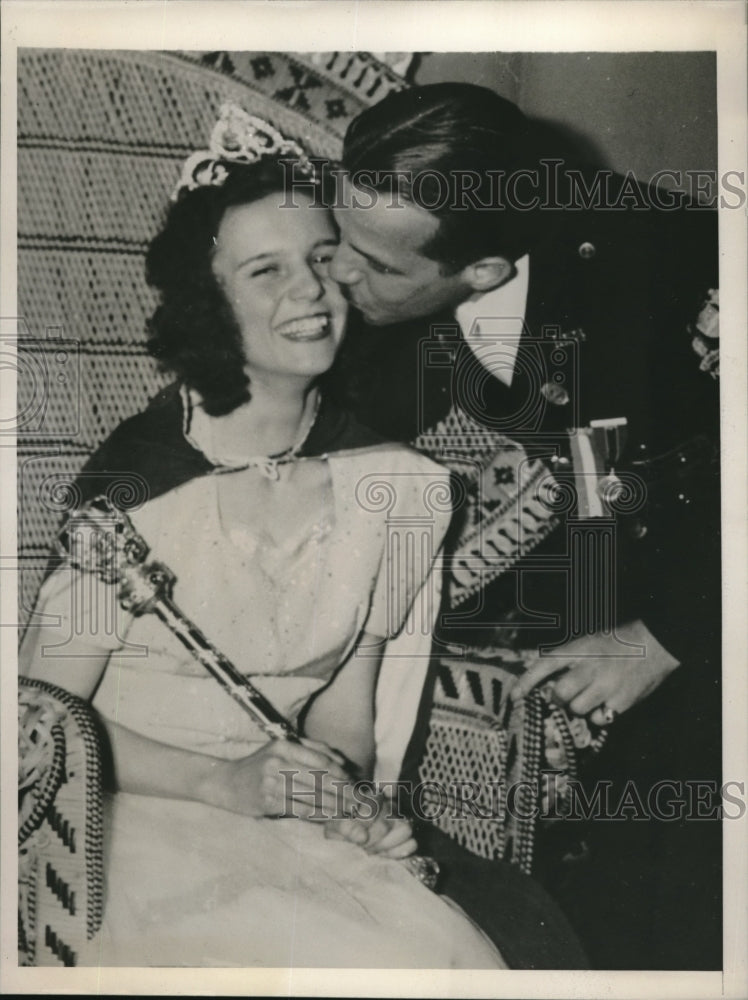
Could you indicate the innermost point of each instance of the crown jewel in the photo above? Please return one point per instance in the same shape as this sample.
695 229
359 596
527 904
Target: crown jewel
237 137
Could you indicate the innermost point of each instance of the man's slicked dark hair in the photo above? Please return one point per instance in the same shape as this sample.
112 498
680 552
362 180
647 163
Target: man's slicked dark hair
427 142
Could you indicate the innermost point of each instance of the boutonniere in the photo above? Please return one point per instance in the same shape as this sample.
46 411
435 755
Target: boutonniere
705 334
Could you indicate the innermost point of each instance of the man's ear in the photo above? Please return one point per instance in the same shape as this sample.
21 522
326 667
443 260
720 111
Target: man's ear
488 273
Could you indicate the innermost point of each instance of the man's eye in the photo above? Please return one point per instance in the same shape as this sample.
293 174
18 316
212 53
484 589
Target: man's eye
380 268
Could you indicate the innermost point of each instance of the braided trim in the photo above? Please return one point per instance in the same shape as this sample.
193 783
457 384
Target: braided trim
94 826
532 751
26 932
561 720
52 781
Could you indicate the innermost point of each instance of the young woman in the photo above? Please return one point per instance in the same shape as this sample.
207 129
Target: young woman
267 503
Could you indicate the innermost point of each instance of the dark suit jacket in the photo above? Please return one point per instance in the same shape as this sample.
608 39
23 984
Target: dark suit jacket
616 291
619 288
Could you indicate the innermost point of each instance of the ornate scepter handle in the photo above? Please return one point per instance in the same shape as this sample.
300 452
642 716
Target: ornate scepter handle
98 538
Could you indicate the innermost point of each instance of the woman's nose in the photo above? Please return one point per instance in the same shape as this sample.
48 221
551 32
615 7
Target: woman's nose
343 268
307 285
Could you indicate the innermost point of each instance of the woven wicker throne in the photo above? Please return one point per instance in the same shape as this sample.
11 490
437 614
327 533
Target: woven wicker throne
101 140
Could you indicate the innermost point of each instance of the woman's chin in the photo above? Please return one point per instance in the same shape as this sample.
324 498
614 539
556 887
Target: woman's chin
311 370
316 358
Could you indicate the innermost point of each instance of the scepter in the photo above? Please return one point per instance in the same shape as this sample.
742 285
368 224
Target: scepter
101 539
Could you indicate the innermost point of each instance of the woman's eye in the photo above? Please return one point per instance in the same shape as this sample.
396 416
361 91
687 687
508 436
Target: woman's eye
268 269
323 257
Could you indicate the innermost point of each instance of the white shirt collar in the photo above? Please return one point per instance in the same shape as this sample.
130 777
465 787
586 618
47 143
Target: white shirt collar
492 323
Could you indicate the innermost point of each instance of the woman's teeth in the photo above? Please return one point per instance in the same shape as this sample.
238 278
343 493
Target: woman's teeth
308 328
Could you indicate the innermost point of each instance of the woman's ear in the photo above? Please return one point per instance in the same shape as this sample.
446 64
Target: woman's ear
487 273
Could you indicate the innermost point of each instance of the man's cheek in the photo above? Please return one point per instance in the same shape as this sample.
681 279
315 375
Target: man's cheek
390 291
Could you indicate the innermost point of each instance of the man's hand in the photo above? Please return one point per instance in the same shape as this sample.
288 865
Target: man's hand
597 683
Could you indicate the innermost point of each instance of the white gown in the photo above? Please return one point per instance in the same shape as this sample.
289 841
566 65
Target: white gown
191 885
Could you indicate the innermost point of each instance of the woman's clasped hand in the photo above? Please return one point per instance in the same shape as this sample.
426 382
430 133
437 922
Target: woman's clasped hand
310 781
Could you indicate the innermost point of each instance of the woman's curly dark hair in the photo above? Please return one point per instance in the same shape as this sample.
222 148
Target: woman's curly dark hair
193 332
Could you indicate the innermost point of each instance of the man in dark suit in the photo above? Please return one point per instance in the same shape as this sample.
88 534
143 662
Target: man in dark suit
533 300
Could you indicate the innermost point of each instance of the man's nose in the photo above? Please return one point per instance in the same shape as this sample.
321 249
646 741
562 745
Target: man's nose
343 267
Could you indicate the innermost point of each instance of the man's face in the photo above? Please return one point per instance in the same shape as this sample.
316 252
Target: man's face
380 262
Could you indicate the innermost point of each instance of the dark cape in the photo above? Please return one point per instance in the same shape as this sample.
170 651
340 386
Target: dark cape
152 446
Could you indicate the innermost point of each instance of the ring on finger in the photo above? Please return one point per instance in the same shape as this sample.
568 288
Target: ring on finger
609 714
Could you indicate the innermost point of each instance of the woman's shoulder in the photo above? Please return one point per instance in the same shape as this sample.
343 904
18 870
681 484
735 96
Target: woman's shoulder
393 481
344 440
394 455
411 458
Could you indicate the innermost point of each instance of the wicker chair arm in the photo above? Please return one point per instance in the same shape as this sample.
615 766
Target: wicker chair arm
60 825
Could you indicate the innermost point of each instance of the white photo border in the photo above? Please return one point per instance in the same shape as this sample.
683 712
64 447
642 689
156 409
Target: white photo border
419 25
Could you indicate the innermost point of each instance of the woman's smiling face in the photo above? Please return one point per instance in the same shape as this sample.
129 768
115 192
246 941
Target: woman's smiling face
272 264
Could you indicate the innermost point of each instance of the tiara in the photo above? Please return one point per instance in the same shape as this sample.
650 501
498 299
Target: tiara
237 137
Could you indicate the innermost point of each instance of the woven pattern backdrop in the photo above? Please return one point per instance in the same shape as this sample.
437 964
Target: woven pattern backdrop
101 140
